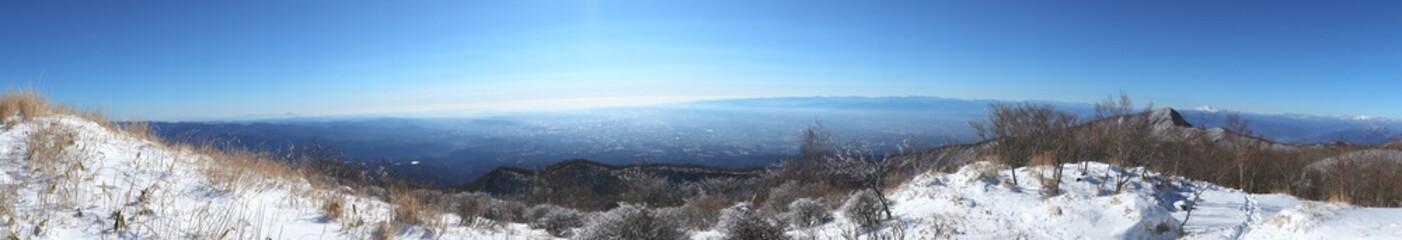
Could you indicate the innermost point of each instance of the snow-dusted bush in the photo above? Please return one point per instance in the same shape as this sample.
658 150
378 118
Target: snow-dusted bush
697 213
744 222
504 211
864 208
474 207
806 212
470 207
630 222
554 219
784 194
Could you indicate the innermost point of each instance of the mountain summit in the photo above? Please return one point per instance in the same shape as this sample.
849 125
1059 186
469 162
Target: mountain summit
1168 116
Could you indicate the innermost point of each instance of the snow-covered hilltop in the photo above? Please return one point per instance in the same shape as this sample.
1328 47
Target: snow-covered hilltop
65 177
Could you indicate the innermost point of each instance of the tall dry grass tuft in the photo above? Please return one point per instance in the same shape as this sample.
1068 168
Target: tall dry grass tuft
141 130
235 170
384 231
19 104
47 147
58 167
407 208
23 104
333 207
8 197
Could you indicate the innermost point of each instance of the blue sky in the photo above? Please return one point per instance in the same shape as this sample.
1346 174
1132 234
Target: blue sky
208 60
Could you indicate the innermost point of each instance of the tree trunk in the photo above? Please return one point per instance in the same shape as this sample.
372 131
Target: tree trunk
1056 180
1013 170
884 205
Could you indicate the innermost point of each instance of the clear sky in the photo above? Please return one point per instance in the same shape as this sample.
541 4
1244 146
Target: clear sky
203 60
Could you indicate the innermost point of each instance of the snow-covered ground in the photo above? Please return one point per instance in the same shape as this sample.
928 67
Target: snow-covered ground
972 204
161 192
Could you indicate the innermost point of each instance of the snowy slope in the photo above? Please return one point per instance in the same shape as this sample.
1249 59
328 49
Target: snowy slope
972 204
164 192
161 192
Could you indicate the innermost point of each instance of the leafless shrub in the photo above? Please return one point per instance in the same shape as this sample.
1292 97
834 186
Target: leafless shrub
806 212
1368 178
744 222
857 165
780 197
556 220
471 206
865 209
629 221
478 208
698 212
647 188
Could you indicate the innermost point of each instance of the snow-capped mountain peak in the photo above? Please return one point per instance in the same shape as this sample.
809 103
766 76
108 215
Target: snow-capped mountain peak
1206 108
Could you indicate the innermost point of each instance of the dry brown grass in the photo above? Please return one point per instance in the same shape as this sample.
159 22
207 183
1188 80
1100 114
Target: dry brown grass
333 206
21 104
48 155
141 130
384 231
8 197
235 170
25 102
407 208
47 147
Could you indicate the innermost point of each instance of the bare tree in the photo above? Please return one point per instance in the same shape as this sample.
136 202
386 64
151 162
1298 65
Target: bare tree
1246 150
856 163
1001 129
816 145
1126 135
1024 130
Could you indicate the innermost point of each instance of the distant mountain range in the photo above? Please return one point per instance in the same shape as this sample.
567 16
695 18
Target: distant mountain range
1302 128
735 133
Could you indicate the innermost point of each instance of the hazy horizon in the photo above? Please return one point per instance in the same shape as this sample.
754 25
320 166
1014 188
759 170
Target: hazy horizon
167 60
